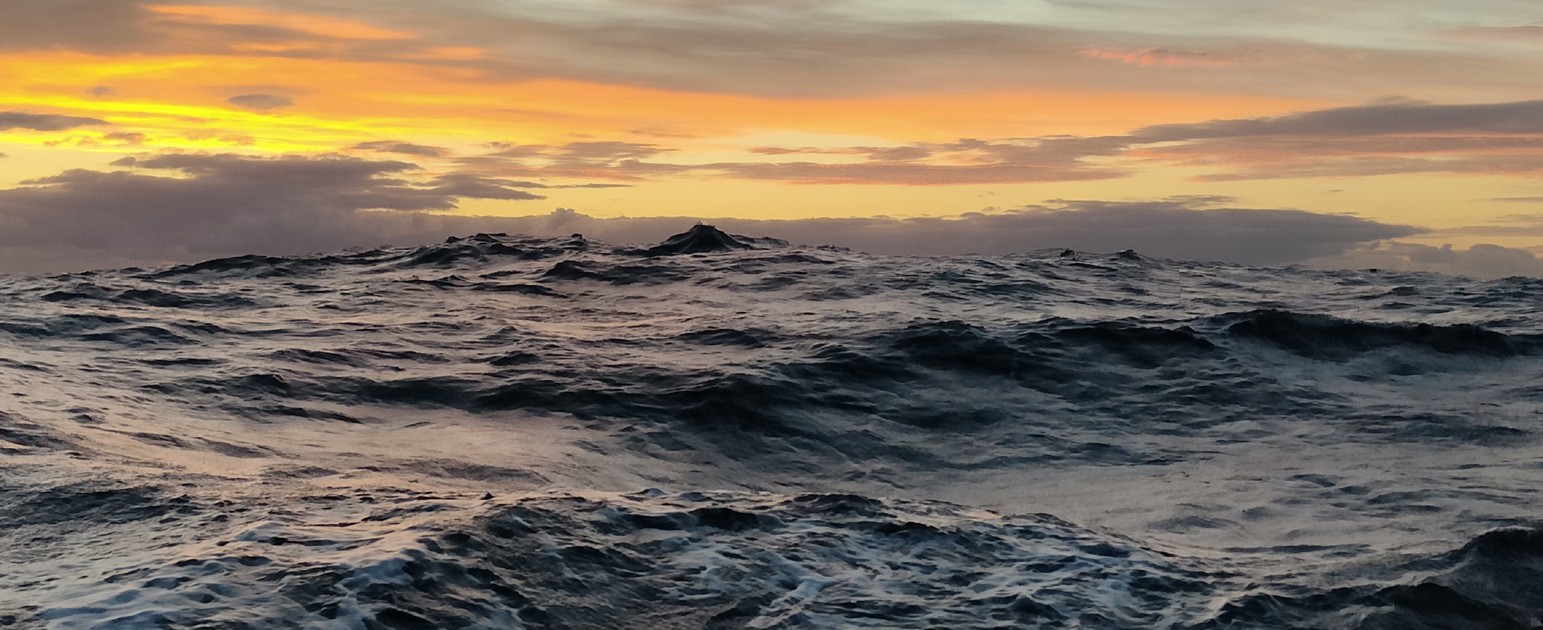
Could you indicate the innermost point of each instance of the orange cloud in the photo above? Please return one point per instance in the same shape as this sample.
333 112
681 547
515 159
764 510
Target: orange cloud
310 24
341 103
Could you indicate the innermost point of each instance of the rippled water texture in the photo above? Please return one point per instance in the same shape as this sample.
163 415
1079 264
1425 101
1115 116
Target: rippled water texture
509 432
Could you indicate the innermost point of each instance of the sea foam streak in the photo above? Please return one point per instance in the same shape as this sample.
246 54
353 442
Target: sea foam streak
721 432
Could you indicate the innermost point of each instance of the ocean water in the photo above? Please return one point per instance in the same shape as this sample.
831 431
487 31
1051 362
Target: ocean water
512 432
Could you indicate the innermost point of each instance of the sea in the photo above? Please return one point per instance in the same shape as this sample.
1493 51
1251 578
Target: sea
503 431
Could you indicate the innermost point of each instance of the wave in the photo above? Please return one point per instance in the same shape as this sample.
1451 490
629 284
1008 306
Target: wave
861 392
450 435
699 239
723 559
1327 337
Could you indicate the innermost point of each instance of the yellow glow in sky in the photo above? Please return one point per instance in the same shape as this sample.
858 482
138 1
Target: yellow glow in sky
799 114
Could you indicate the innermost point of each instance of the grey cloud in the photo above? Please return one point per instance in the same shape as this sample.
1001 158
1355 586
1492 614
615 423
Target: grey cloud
104 25
260 102
899 154
403 148
227 205
133 26
588 152
800 52
1478 261
1367 166
1182 228
1185 228
1412 146
608 150
470 185
966 161
613 161
1524 117
1381 139
45 122
912 174
1508 226
297 169
788 50
767 48
221 205
1318 16
474 187
1528 33
877 154
818 50
792 151
814 49
592 186
126 138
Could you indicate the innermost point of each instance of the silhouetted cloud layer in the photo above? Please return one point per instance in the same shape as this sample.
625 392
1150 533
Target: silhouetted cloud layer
261 102
1389 138
227 204
403 148
223 204
966 161
44 122
1478 261
1183 228
1380 139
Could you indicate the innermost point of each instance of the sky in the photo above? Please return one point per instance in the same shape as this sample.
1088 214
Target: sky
1404 134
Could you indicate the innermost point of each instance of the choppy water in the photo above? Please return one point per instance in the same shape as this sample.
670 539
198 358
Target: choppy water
511 432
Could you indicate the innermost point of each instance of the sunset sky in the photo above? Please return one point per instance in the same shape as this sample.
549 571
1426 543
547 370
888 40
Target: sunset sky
1369 133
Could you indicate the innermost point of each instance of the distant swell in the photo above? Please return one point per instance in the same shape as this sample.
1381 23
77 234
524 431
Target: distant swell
1327 337
854 397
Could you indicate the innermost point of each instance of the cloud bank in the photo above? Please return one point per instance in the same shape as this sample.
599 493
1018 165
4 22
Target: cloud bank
180 208
781 48
44 122
261 103
1396 137
188 207
1478 261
